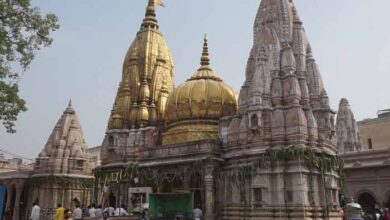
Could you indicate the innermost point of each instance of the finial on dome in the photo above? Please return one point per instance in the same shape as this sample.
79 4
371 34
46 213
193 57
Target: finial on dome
70 103
150 20
205 59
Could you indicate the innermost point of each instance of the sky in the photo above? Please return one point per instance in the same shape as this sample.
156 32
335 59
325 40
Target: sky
350 41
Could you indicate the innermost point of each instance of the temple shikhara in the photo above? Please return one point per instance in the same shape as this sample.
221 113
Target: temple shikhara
268 151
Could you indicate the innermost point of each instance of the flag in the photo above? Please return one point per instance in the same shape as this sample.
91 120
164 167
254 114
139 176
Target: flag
159 2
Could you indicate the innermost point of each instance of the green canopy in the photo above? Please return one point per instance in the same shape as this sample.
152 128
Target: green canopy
170 205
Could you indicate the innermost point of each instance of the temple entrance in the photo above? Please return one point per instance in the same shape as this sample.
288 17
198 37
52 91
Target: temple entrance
367 201
138 197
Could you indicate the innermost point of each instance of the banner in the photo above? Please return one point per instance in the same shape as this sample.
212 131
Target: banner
171 205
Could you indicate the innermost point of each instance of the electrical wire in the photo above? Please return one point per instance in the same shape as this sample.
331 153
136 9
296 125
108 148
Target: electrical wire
15 155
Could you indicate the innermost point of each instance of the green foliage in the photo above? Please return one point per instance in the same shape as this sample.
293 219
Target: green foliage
313 160
23 31
62 181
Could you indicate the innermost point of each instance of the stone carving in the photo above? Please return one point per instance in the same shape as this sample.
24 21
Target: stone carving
64 146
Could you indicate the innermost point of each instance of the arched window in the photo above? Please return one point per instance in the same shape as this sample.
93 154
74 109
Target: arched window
254 121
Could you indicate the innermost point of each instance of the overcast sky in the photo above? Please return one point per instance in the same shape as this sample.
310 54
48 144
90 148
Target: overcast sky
350 41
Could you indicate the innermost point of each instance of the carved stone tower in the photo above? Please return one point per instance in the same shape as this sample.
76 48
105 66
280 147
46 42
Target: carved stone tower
348 138
284 109
65 151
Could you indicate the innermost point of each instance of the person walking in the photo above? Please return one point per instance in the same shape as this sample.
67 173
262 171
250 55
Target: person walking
78 213
59 212
92 211
35 212
110 210
198 213
99 212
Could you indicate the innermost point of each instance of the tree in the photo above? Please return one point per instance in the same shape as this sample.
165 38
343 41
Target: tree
23 31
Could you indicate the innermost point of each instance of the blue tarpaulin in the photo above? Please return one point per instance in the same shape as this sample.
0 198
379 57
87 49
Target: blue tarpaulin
2 200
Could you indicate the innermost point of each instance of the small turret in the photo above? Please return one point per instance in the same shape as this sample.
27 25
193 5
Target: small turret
65 151
347 131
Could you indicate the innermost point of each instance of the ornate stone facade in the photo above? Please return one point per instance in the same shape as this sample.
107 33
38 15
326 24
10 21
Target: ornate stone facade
348 136
273 157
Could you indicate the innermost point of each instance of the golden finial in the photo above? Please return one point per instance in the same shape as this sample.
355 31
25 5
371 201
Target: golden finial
150 20
205 59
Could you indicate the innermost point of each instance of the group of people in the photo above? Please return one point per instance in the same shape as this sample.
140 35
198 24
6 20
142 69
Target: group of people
80 212
379 215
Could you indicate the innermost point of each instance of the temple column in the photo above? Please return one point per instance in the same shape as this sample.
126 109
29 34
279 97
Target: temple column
209 193
186 181
8 206
55 197
18 189
66 198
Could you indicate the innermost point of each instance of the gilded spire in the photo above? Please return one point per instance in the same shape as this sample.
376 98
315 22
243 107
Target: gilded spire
205 59
205 72
150 20
147 62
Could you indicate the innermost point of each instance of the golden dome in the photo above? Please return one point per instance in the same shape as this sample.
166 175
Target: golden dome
195 107
147 77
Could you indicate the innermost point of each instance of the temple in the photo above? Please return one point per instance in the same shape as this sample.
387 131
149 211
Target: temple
267 153
61 173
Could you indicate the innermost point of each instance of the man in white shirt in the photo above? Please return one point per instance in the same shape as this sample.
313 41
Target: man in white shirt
92 211
35 212
110 210
121 211
77 213
198 213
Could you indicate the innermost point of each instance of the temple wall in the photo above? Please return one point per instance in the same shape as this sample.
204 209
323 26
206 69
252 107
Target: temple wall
378 130
277 190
